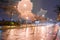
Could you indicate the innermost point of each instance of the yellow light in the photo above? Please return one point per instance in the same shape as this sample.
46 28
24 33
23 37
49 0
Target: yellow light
12 22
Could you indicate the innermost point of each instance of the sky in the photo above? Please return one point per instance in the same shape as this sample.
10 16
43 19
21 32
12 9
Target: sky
48 5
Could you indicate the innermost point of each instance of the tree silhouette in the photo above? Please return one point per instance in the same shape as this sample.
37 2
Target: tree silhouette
58 12
9 6
4 1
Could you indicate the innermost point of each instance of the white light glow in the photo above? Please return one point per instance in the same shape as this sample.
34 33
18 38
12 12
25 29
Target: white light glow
27 18
25 5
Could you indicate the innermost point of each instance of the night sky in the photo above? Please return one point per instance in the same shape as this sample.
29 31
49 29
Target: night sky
49 5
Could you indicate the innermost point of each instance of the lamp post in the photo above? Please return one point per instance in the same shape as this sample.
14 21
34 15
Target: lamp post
12 16
26 21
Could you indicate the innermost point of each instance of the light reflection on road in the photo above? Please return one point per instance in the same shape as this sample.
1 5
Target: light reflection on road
29 33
